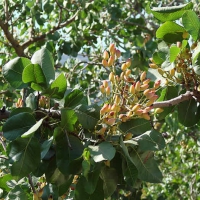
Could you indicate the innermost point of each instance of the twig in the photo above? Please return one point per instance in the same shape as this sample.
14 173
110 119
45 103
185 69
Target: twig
4 157
31 183
43 36
183 97
2 142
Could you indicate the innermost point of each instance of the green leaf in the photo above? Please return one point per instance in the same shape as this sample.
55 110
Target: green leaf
188 112
171 13
24 153
33 73
191 24
147 166
103 151
196 53
50 189
130 172
81 193
62 181
46 146
17 193
159 57
64 187
21 110
57 88
73 98
170 32
135 126
85 168
91 181
167 65
167 93
44 58
72 148
34 128
150 141
3 181
12 71
18 125
110 180
154 75
68 119
88 116
174 51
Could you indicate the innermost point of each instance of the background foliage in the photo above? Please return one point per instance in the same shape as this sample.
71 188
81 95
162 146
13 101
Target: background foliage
52 144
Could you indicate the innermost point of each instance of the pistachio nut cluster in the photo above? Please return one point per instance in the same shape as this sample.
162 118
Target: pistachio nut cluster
181 70
126 98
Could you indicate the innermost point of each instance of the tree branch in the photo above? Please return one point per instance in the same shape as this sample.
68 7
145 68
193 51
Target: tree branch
183 97
15 44
6 10
31 183
43 36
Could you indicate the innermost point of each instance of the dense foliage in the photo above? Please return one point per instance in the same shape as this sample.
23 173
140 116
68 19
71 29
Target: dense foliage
122 109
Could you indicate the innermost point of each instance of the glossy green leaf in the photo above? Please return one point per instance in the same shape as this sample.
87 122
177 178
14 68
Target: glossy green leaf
191 24
24 153
17 193
44 58
110 180
150 141
18 125
31 101
174 51
33 73
102 151
73 98
170 32
68 149
12 71
32 130
171 13
81 193
57 88
46 146
88 116
147 166
68 119
135 126
188 112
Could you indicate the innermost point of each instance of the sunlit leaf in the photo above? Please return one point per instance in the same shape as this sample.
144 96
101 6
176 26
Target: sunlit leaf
191 23
18 125
12 71
103 151
171 13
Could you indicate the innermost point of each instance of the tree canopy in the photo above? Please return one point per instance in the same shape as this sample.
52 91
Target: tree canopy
98 97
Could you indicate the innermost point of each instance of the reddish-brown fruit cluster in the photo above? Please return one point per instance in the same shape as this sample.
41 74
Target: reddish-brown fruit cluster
127 98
